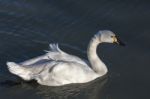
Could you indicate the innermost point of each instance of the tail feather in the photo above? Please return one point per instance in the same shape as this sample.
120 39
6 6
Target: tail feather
16 69
13 67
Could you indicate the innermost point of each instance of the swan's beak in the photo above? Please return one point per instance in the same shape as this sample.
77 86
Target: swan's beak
118 41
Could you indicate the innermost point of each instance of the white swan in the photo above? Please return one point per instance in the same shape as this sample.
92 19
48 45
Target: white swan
57 68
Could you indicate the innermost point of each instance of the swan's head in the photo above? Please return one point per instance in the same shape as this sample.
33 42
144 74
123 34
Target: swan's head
108 36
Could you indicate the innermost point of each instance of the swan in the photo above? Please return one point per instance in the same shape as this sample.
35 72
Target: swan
56 67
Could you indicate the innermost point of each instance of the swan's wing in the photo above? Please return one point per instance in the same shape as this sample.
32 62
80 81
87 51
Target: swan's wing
64 73
55 53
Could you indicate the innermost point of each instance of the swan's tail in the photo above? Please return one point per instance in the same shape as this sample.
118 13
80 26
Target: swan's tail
16 69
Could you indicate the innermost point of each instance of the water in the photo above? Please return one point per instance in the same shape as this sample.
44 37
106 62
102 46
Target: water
27 27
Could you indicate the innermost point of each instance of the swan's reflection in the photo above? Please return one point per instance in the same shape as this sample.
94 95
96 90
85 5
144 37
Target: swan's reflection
91 90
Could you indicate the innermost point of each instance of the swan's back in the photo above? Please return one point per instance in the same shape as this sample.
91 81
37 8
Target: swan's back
55 54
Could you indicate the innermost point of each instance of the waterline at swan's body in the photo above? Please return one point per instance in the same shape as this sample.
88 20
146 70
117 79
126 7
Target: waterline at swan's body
57 68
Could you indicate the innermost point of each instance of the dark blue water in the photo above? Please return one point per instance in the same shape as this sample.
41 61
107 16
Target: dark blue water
28 26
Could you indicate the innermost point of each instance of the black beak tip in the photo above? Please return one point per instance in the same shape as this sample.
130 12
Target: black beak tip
119 42
122 44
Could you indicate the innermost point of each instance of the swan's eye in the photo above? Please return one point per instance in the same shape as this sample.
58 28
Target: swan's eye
112 36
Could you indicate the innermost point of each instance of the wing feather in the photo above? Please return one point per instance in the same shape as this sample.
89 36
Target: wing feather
56 54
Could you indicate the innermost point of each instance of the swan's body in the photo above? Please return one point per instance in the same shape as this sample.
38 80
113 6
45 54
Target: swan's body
57 68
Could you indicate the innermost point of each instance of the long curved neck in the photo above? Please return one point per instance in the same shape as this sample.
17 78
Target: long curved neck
97 65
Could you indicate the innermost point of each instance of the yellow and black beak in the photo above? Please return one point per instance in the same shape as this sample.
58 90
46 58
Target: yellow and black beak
116 40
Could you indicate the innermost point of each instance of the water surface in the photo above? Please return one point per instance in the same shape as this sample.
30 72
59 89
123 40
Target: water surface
27 27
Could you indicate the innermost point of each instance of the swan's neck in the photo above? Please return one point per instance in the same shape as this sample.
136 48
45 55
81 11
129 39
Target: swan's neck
97 65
